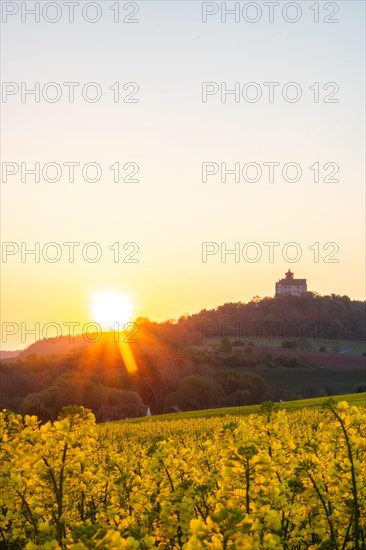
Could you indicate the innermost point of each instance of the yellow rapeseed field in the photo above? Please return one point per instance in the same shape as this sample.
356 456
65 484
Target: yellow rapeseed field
272 480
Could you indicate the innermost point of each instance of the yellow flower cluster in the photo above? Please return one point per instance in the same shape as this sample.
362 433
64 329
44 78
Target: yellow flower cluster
272 480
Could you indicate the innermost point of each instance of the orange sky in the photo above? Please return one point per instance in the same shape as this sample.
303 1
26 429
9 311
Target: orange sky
169 133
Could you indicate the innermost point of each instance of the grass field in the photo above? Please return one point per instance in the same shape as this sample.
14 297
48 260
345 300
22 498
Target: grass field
358 399
304 381
344 347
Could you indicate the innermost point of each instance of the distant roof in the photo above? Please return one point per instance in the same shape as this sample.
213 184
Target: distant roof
289 281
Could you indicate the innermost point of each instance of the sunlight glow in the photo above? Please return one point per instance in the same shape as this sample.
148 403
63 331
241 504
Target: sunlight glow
128 357
111 310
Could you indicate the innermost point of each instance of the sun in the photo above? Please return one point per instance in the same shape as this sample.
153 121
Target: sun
111 310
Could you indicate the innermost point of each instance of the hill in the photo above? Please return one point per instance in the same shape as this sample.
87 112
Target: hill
211 359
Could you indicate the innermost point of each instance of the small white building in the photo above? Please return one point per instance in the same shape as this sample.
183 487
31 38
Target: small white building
289 285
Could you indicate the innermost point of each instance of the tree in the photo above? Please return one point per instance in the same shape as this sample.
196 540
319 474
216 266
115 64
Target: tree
196 392
226 346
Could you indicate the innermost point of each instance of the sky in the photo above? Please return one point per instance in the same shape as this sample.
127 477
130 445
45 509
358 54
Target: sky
164 133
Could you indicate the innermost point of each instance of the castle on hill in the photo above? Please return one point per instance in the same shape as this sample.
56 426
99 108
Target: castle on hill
289 285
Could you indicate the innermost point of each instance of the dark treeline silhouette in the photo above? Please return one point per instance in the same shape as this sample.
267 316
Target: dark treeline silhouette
309 315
